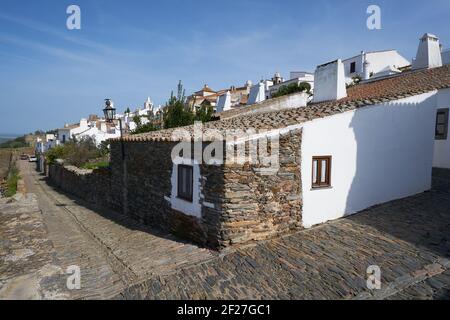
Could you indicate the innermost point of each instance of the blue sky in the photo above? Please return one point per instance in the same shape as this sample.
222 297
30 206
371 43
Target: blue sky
128 50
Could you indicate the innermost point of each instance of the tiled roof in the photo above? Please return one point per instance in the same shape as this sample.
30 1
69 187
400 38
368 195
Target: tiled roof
375 92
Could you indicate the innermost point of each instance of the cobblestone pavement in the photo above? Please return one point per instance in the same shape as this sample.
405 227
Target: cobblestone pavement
29 268
111 251
42 235
408 239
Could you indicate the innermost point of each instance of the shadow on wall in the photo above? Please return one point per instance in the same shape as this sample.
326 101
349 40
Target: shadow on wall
394 161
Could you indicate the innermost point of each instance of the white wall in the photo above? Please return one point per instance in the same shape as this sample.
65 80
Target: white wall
380 153
193 208
257 94
377 62
329 82
441 157
428 54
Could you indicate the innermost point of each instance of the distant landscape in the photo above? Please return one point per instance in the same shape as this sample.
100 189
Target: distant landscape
12 141
7 137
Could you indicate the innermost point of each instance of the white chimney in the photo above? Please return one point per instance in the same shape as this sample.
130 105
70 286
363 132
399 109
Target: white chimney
224 102
429 53
103 127
366 65
257 93
83 123
329 82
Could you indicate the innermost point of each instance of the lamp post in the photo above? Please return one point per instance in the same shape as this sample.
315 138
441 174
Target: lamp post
110 114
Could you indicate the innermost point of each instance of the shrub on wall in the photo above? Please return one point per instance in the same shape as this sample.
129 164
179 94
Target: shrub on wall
292 88
77 152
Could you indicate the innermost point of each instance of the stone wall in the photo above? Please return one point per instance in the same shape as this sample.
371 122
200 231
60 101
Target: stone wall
93 186
145 182
258 207
238 204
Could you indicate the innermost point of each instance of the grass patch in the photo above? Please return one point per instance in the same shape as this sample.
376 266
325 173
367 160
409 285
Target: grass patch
11 183
95 165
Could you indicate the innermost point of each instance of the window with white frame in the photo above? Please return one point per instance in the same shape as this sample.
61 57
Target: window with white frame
185 182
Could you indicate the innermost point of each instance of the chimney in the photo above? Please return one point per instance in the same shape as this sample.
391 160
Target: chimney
366 65
429 53
257 93
329 82
103 127
83 123
224 102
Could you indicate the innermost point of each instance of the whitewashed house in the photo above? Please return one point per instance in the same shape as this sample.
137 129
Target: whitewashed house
351 148
43 144
380 152
145 115
368 64
296 77
97 129
99 132
68 131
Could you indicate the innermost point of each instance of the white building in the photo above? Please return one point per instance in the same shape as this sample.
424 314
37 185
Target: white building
45 143
296 77
65 134
145 114
368 64
376 153
97 129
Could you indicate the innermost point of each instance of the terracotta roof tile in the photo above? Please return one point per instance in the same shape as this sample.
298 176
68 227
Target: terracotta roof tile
375 92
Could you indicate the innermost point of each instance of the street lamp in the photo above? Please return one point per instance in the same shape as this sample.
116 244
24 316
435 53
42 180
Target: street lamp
109 111
110 114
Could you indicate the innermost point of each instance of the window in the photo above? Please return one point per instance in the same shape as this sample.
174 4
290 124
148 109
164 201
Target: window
185 182
64 139
321 172
442 124
353 67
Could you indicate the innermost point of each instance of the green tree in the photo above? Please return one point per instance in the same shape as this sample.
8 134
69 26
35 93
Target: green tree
76 152
177 113
137 120
204 114
144 128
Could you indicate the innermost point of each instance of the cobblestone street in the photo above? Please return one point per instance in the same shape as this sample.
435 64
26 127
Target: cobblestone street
46 231
111 251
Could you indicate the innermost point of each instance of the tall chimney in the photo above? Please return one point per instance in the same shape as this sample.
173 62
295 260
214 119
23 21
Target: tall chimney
429 53
224 102
329 82
366 65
